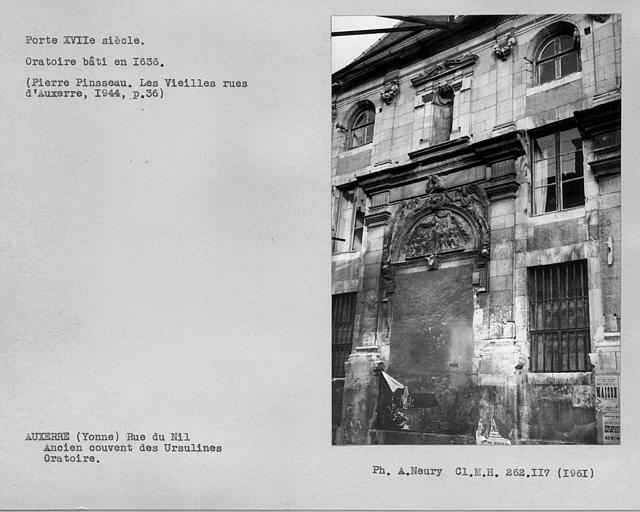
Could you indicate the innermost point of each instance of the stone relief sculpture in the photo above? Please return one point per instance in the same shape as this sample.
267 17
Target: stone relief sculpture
390 91
442 231
453 220
435 183
502 51
463 216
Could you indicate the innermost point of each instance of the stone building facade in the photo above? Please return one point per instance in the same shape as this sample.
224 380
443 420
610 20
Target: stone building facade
476 234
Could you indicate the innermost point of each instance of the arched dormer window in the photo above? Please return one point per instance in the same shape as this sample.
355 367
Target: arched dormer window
557 57
361 127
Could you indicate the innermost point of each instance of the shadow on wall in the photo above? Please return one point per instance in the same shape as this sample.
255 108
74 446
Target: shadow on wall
558 419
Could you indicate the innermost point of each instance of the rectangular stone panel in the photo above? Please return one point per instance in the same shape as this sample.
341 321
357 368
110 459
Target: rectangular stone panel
432 330
353 161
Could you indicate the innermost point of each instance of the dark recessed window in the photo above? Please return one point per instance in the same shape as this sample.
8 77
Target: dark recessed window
361 128
557 57
343 313
349 226
558 174
559 317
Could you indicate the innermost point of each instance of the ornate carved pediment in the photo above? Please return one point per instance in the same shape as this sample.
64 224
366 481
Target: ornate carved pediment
441 222
444 68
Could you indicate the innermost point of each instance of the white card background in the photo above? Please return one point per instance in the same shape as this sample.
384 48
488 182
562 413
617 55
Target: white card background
164 267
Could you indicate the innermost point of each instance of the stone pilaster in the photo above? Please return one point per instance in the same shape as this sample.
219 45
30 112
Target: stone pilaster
360 396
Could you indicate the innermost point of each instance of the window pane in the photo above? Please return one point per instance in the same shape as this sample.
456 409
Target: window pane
364 118
544 172
361 119
568 166
544 147
368 136
582 354
544 200
357 137
550 352
546 71
368 116
571 166
540 353
357 239
570 141
565 351
568 63
343 227
564 314
358 230
548 51
582 310
573 194
565 43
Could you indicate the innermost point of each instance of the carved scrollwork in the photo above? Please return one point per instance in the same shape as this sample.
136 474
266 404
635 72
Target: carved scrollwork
444 68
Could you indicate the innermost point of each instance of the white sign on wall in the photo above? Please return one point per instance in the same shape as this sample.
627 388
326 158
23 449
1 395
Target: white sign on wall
608 392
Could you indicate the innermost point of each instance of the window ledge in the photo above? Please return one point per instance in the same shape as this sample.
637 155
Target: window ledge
345 256
545 218
573 77
562 378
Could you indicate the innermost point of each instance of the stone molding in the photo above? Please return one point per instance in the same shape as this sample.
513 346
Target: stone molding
602 124
443 69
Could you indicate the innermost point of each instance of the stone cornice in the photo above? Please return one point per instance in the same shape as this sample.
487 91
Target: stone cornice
445 158
437 152
608 166
501 189
377 218
602 124
439 71
599 119
503 147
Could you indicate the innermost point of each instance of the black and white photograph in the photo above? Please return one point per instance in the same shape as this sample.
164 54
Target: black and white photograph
476 241
177 332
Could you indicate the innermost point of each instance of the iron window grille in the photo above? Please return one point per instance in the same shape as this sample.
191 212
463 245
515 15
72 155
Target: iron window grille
559 318
558 171
343 310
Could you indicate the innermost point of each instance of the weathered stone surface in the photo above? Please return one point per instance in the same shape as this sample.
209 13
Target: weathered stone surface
436 332
432 342
359 397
